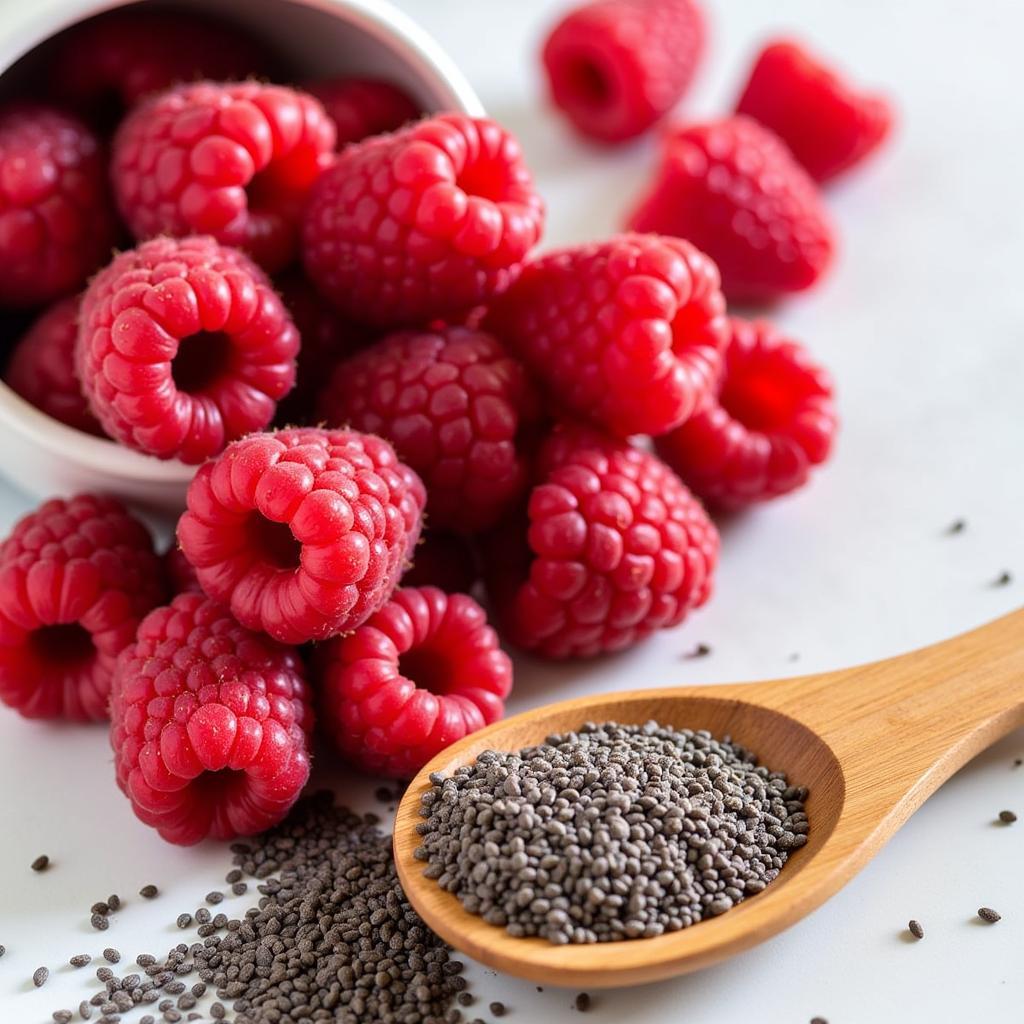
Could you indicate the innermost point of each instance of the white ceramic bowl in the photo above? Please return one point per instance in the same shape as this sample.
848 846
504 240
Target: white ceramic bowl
318 37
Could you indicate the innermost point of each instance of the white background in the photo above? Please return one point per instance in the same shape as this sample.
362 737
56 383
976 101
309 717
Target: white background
922 323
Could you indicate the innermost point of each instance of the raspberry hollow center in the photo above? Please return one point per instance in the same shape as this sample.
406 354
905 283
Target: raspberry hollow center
762 398
428 668
274 542
588 82
65 644
202 360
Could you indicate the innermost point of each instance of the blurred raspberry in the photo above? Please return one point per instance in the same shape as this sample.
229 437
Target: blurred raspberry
76 577
425 671
360 107
303 532
421 224
773 420
210 724
56 220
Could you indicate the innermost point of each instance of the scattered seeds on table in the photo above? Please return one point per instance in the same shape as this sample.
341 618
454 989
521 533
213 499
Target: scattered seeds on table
1004 579
700 651
915 929
529 840
62 1016
239 888
3 949
1007 817
99 922
583 1002
41 863
464 999
148 892
39 976
80 960
988 915
114 902
1018 761
214 897
84 1009
818 1020
111 955
203 916
104 974
184 920
100 907
498 1009
957 526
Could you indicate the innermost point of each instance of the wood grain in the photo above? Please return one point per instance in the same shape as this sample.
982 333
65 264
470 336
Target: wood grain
871 743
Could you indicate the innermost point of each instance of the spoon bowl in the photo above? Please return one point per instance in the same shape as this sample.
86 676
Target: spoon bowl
869 743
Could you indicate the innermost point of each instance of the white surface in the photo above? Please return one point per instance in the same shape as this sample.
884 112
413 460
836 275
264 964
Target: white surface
922 326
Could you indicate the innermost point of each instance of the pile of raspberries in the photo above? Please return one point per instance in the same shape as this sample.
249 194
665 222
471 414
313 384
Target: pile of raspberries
398 413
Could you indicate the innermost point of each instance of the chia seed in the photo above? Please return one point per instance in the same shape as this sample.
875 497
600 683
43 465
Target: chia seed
41 863
149 892
80 960
612 832
583 1002
915 929
39 976
1007 817
988 915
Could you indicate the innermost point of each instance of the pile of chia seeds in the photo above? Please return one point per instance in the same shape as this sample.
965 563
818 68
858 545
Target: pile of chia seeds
333 938
613 832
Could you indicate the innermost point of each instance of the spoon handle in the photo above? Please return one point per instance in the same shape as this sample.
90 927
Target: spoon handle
905 725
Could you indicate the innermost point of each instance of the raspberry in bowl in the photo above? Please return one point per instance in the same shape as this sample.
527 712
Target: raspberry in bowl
311 42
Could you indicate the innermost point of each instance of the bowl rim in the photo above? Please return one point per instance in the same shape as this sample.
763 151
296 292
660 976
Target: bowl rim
28 27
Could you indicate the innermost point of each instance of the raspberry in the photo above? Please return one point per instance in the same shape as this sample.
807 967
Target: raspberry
443 560
76 577
327 339
773 420
627 333
56 220
42 368
303 532
424 223
178 571
104 66
615 67
425 671
614 547
454 405
360 107
233 161
183 346
827 123
733 189
209 724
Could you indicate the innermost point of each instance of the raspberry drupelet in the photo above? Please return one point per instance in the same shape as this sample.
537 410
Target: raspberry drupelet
104 66
209 724
303 532
42 368
827 123
456 407
76 578
615 67
57 222
235 161
734 190
360 107
626 333
613 548
422 224
773 420
423 672
183 345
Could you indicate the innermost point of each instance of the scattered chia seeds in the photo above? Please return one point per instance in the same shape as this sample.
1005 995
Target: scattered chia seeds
84 1010
1007 817
915 929
184 920
1004 579
149 892
498 1009
62 1016
583 1002
3 949
700 651
100 907
111 955
80 960
612 832
239 888
214 897
99 922
39 976
41 863
988 915
957 526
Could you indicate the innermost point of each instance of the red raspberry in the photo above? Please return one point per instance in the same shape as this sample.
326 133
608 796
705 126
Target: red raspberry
56 221
627 333
360 107
443 560
209 724
104 66
454 404
42 368
827 123
733 189
617 66
233 161
327 338
614 548
183 346
178 571
76 578
421 224
425 671
773 420
303 532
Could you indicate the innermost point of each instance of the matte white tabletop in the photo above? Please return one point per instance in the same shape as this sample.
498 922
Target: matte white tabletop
922 323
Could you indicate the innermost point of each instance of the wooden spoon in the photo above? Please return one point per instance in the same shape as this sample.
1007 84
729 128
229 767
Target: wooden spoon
870 743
